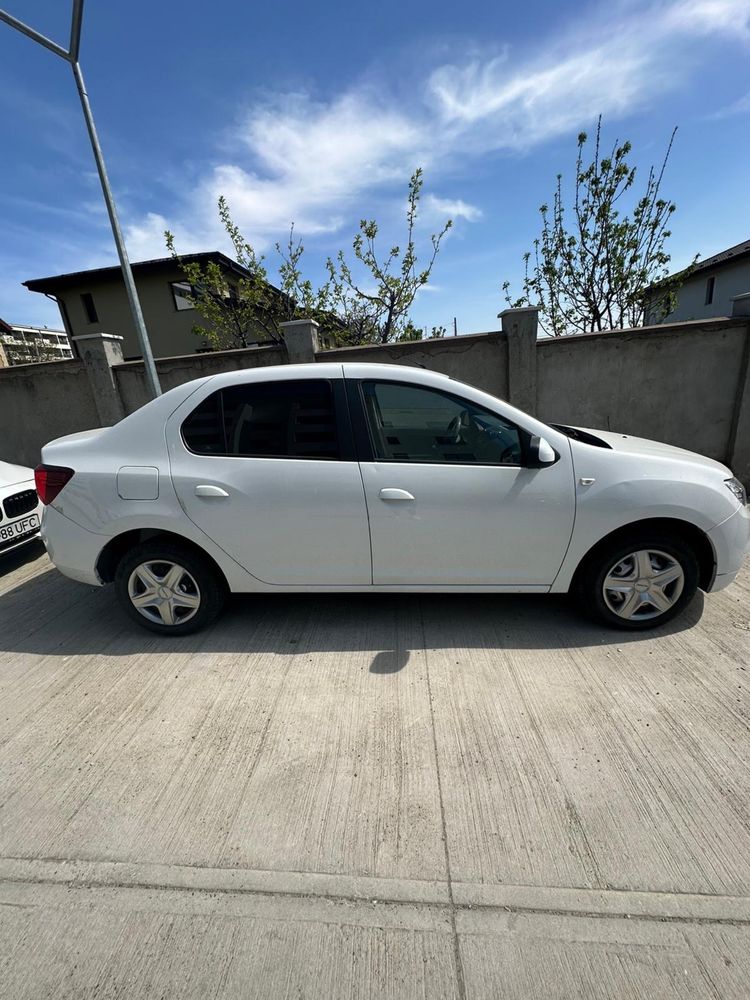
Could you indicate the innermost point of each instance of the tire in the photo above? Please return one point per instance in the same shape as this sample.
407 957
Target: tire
610 584
184 585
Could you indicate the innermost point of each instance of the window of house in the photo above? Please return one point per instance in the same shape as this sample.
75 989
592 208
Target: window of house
710 290
181 290
89 308
294 419
412 424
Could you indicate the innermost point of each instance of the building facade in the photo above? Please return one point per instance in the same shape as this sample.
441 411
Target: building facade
96 302
28 345
708 291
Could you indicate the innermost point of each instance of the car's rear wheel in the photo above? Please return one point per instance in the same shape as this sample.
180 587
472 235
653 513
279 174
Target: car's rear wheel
169 589
638 582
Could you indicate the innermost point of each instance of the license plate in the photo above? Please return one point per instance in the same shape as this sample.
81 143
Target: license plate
16 528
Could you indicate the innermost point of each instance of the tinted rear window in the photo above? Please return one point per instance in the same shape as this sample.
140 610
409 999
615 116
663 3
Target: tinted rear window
266 420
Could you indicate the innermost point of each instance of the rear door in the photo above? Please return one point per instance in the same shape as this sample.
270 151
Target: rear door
266 468
450 500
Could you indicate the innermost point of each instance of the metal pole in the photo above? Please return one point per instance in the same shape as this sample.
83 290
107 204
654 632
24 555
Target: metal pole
127 273
35 36
76 19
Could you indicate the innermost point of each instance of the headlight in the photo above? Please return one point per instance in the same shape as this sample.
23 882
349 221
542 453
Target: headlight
737 488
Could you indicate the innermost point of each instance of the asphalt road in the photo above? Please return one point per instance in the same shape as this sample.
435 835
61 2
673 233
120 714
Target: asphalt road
358 797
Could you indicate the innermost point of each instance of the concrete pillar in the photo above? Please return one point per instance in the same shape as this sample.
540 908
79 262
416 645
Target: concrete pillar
99 352
301 339
520 327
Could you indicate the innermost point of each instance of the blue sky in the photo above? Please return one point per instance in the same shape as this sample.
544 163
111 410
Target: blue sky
318 113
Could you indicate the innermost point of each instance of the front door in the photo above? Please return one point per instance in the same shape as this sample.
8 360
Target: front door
265 469
449 499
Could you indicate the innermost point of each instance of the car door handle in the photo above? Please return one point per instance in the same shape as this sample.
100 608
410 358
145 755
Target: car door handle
391 494
205 490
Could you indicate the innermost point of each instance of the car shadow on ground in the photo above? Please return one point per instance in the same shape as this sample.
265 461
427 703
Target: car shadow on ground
48 614
26 553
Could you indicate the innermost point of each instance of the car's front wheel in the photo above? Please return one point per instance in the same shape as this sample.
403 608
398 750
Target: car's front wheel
168 588
638 582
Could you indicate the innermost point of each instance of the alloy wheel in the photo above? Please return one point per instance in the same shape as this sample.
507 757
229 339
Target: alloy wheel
164 592
644 585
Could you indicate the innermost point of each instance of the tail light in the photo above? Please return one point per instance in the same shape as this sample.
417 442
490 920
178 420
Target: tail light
50 479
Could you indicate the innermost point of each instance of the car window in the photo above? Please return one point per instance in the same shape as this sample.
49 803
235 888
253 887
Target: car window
294 419
409 423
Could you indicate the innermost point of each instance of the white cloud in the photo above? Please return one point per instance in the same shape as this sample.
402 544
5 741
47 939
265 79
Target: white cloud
145 239
450 208
313 160
313 163
611 66
709 17
739 107
493 110
308 164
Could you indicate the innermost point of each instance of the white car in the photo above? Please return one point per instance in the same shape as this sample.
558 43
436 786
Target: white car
20 507
363 477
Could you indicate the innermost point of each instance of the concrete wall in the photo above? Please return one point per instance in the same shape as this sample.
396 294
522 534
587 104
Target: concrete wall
130 377
730 280
41 402
480 359
687 384
678 384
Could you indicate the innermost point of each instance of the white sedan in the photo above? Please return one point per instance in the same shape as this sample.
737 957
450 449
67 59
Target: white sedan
20 508
362 477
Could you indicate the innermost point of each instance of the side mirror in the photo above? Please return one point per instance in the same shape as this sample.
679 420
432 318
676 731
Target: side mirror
540 452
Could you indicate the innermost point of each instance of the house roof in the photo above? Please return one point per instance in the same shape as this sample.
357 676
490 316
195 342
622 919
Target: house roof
725 257
729 256
5 327
59 282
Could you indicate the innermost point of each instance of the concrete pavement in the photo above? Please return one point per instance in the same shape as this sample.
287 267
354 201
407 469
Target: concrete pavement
384 796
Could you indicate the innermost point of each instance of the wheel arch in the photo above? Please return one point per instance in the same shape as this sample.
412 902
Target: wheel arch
684 530
116 548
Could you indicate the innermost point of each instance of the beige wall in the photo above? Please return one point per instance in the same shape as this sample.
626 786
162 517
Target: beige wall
170 330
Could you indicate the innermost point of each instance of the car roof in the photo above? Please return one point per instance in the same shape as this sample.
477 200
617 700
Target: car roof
326 369
358 369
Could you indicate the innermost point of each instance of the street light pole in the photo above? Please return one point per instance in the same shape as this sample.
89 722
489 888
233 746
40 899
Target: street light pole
127 271
71 55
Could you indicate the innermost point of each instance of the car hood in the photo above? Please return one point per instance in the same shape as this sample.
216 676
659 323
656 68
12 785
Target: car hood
627 444
11 475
